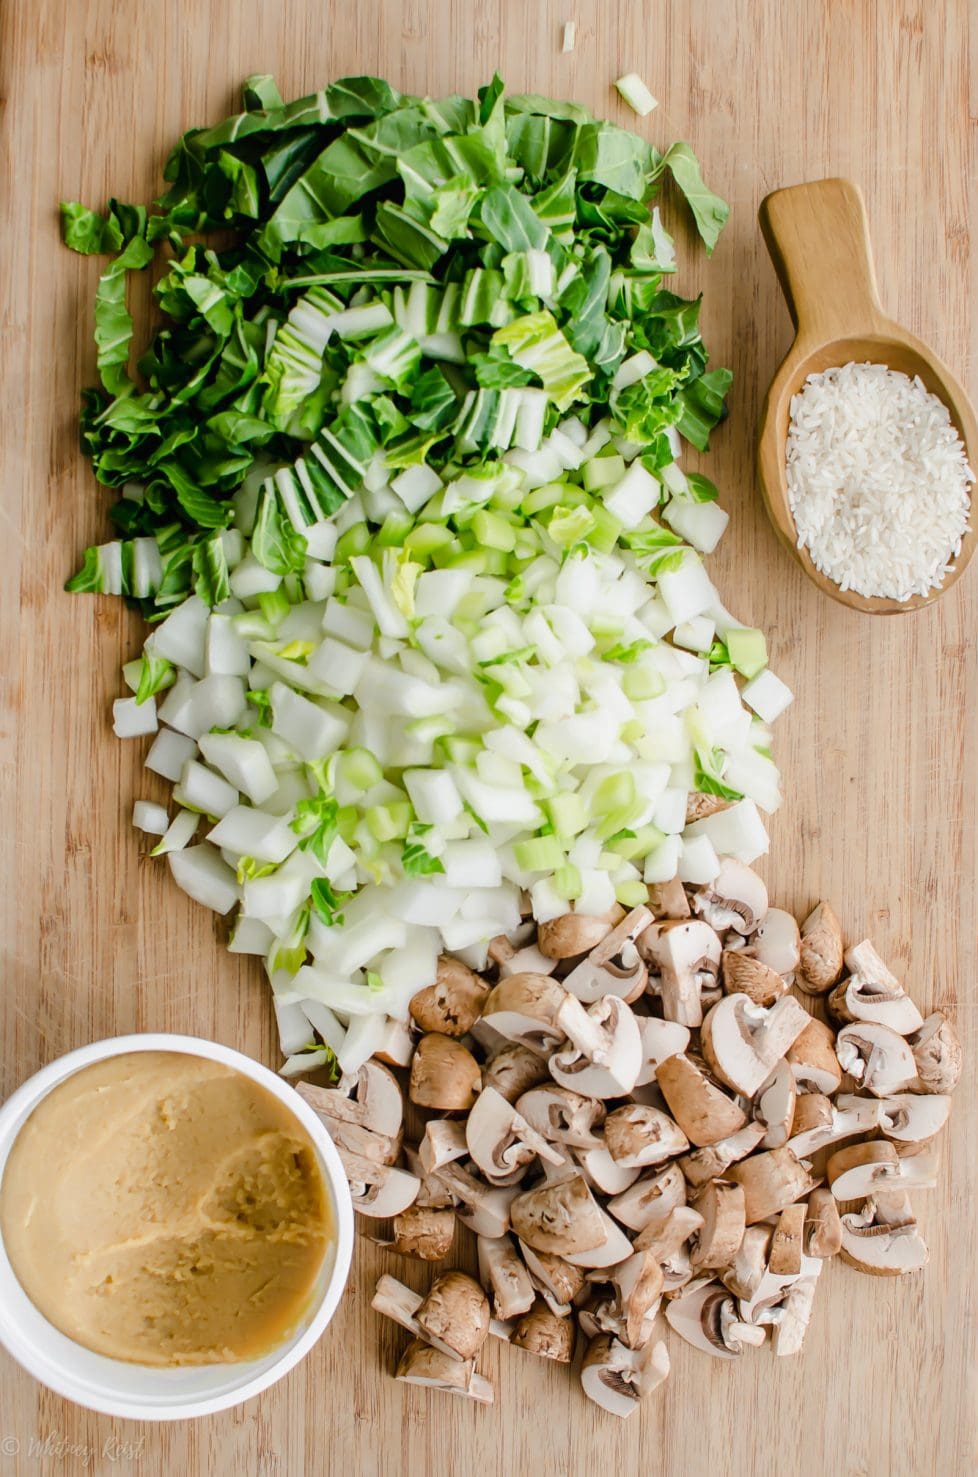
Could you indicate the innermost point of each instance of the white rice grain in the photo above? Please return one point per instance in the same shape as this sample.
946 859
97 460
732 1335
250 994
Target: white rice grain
877 480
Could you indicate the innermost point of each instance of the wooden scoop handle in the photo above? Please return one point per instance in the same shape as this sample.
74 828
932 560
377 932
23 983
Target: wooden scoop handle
819 243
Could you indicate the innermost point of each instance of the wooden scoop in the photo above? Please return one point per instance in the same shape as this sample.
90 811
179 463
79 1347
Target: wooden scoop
819 242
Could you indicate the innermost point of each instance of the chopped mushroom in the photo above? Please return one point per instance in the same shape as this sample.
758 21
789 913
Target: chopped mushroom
444 1140
650 1200
872 993
544 1333
823 1228
604 1173
455 1315
500 1141
812 1058
524 1008
422 1231
714 1160
606 1050
912 1121
736 898
637 1136
615 966
686 956
872 1243
721 1204
821 954
453 1004
503 1273
485 1209
786 1244
774 1106
819 1122
705 1316
443 1074
513 1070
937 1055
878 1058
374 1101
421 1364
561 1217
668 899
698 1104
743 1042
618 1378
664 1238
771 1181
573 934
378 1189
864 1169
659 1040
557 1281
563 1116
777 943
745 975
748 1269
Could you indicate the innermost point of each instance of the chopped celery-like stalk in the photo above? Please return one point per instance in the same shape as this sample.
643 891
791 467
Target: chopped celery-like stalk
631 894
539 854
567 881
568 813
748 650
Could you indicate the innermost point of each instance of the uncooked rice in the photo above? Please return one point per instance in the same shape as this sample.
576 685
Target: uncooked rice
877 480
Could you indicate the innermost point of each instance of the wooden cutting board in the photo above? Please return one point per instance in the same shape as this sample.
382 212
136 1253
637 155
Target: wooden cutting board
879 752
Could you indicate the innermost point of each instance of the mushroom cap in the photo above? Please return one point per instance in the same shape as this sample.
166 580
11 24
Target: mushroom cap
829 1123
881 1249
562 1116
513 1070
590 979
698 1104
736 898
485 1209
562 1218
420 1364
912 1118
879 1059
552 1275
777 942
637 1136
613 1249
771 1181
713 1161
524 1008
424 1232
606 1049
684 954
749 1267
820 954
444 1140
453 1003
378 1189
455 1315
742 1042
651 1200
937 1054
543 1333
745 975
374 1101
864 1169
668 899
786 1244
573 934
618 1378
813 1060
862 998
444 1074
664 1238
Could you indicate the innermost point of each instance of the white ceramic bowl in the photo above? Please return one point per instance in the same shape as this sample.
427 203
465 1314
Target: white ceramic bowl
136 1391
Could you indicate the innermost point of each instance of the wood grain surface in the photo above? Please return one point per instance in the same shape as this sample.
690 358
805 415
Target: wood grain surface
879 751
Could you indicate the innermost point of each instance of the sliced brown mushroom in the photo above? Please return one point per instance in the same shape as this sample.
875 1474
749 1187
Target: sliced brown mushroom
745 975
524 1007
774 1106
444 1074
786 1243
374 1102
557 1281
713 1161
872 993
821 955
606 1053
777 943
638 1136
883 1248
500 1141
771 1181
668 899
742 1042
937 1055
736 898
637 1291
542 1332
573 934
612 1250
444 1140
650 1200
749 1267
603 1173
483 1208
819 1122
454 1315
432 1194
378 1189
422 1231
721 1204
863 1170
420 1364
664 1238
561 1217
453 1003
396 1046
513 1070
705 1316
615 966
791 1316
618 1378
876 1057
813 1061
659 1040
686 957
911 1120
823 1228
503 1273
563 1116
699 1105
